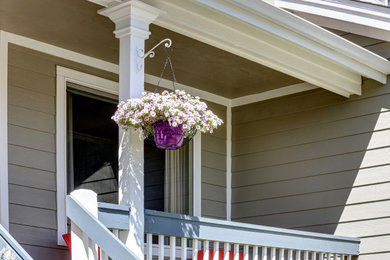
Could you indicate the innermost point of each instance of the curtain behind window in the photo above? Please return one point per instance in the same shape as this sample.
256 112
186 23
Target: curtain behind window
178 180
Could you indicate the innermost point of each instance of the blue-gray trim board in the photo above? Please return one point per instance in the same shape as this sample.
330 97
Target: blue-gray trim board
169 224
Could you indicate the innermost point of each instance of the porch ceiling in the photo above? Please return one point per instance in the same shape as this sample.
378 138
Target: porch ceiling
75 25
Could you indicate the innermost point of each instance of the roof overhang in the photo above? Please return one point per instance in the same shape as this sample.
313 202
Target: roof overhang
357 17
273 37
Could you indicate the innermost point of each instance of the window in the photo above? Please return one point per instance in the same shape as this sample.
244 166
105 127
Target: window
87 147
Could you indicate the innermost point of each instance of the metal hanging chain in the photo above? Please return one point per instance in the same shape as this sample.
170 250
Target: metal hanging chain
167 61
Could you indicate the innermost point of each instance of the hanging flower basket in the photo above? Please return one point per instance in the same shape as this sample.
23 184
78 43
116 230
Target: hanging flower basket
169 118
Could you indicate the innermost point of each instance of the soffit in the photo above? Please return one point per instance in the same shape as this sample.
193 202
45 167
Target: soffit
75 25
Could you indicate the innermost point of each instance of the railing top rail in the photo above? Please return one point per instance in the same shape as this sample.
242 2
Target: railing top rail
163 223
96 230
13 244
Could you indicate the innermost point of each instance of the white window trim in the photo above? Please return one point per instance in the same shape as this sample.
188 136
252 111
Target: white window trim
4 211
65 75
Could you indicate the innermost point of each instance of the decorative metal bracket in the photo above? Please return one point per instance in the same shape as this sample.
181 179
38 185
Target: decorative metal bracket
151 53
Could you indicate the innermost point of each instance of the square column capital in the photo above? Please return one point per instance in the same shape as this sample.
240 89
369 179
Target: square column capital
131 17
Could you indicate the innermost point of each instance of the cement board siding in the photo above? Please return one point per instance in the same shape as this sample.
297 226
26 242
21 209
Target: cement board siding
214 168
31 149
317 162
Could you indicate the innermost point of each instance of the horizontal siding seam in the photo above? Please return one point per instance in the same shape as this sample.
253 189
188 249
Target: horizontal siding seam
312 142
49 247
211 151
30 206
35 188
30 90
315 192
32 168
31 148
305 126
31 109
216 201
33 129
315 158
213 184
314 175
213 168
11 65
33 226
360 98
56 248
311 209
340 222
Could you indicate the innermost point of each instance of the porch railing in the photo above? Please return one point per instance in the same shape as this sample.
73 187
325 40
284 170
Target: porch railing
10 247
172 235
91 239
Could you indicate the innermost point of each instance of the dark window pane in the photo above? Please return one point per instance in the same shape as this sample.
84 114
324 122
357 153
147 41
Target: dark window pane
94 146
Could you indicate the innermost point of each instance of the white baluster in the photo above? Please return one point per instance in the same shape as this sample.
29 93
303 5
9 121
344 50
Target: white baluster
236 252
349 257
321 256
160 247
172 245
281 254
313 255
226 247
273 253
306 255
195 249
246 252
216 251
149 249
103 255
183 248
255 253
206 250
264 255
298 255
328 256
290 254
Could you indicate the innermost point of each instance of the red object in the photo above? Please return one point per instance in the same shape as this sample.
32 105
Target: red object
211 255
166 136
68 240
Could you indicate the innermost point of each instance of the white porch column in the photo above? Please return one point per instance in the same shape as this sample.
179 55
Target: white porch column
132 19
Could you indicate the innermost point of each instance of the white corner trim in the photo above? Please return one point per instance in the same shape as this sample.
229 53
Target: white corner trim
197 175
275 93
228 163
61 158
375 18
65 75
164 83
4 207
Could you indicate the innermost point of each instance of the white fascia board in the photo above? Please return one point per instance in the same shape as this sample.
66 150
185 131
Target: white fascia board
232 27
317 34
375 18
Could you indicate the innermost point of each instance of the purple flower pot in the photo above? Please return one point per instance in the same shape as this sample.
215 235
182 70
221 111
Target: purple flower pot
166 136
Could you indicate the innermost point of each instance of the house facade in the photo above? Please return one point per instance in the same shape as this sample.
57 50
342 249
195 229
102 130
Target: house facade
302 87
